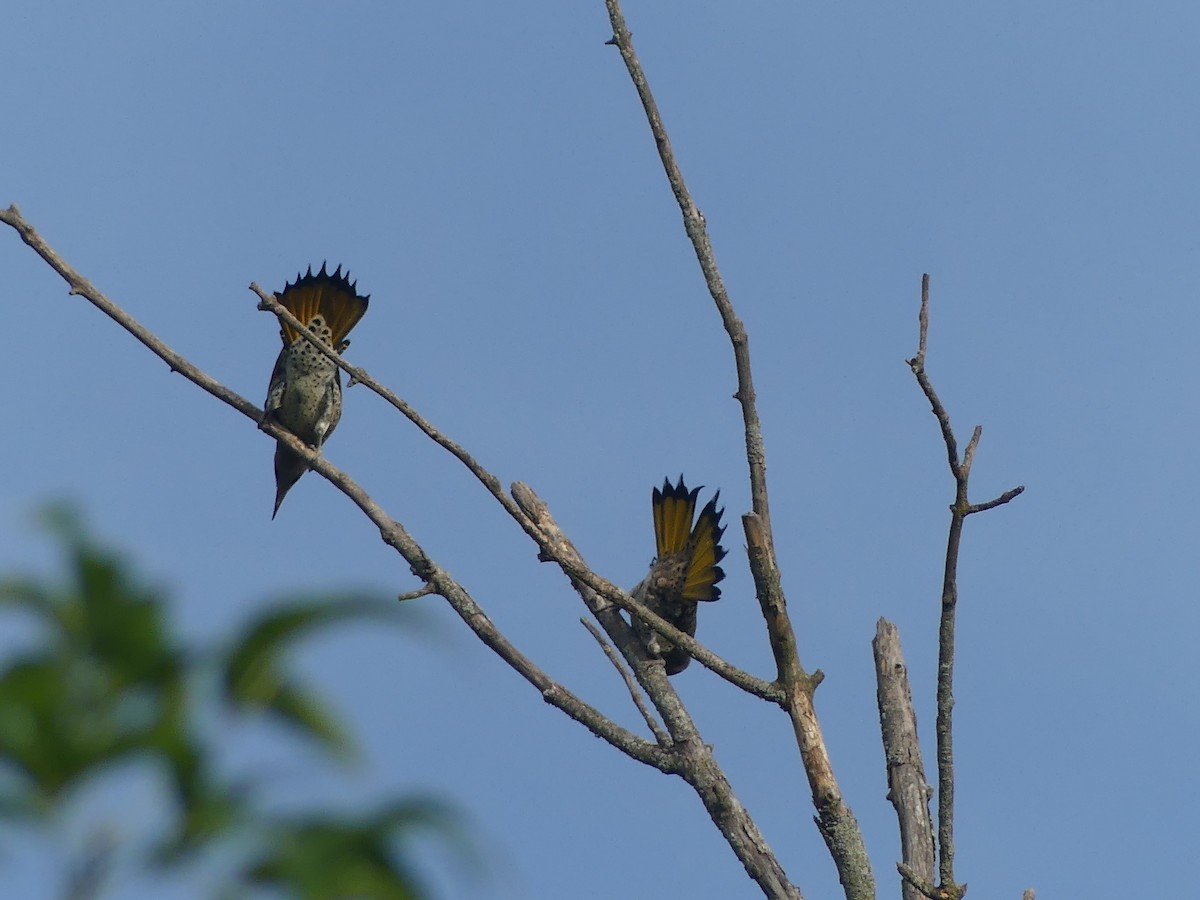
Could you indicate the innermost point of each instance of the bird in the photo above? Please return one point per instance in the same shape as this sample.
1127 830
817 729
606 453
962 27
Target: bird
685 572
305 394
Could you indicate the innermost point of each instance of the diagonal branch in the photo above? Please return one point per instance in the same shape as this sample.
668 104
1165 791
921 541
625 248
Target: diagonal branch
652 723
80 286
959 510
697 231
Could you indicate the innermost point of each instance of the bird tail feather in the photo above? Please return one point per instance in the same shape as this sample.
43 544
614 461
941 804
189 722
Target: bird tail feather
674 506
704 573
331 296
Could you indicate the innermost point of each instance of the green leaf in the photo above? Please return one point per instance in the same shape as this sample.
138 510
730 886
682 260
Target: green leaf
106 682
38 735
30 595
322 857
121 624
253 675
105 679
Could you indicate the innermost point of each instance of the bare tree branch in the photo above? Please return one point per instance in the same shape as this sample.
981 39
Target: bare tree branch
923 887
834 818
761 554
1010 494
652 723
697 231
908 790
423 591
80 286
959 510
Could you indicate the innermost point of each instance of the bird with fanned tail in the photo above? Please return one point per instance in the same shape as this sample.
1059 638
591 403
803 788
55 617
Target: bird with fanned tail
685 572
305 395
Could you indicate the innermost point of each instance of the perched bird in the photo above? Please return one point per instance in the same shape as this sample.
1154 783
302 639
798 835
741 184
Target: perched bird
685 572
305 395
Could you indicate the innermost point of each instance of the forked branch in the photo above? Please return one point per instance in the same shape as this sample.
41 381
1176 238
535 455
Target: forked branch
948 888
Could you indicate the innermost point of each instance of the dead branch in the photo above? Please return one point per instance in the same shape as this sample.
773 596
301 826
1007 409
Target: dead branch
652 723
908 790
959 510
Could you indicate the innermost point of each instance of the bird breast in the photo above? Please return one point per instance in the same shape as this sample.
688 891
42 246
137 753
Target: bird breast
311 401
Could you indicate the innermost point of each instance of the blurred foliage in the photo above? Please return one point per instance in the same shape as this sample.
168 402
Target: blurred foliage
348 857
105 681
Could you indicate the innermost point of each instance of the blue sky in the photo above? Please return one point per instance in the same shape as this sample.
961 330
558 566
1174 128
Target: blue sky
486 173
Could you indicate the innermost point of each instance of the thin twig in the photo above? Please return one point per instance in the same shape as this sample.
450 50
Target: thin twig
922 886
80 286
948 888
659 733
969 453
917 364
423 591
697 231
1010 494
834 818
